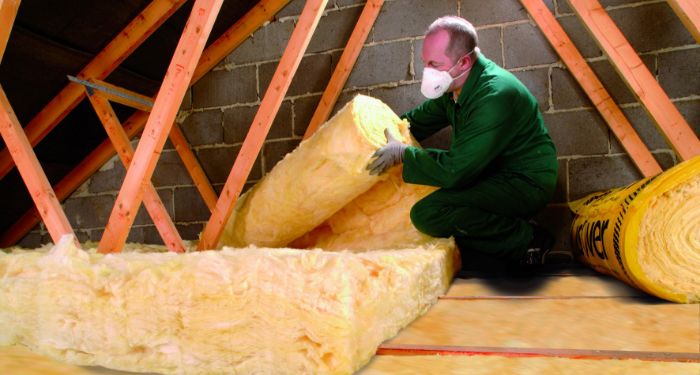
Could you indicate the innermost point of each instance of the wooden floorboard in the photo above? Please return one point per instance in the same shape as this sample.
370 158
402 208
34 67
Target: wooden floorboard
630 324
494 365
543 286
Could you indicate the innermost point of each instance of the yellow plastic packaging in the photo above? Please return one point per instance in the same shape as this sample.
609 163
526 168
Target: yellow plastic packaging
646 234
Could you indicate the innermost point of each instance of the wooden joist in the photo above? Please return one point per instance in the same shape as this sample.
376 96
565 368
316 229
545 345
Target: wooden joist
308 20
689 13
590 83
33 175
442 350
345 64
8 12
217 51
100 67
151 199
168 100
642 83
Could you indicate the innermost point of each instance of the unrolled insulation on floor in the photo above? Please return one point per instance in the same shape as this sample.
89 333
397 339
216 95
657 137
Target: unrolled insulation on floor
249 310
231 311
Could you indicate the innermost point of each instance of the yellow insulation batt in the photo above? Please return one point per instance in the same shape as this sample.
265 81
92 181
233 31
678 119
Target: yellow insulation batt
378 219
646 234
317 179
231 311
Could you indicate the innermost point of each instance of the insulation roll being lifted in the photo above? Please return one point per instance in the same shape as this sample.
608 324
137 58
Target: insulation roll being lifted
646 234
317 179
378 219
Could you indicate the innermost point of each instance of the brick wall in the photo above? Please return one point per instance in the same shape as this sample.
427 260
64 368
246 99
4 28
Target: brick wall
219 108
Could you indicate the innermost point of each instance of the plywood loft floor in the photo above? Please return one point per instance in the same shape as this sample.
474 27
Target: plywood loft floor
571 310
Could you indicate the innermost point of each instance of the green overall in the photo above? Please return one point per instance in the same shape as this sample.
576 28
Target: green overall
500 170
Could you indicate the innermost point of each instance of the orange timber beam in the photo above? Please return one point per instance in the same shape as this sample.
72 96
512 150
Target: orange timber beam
177 80
151 199
345 64
135 100
308 20
600 97
33 175
642 83
100 67
689 13
8 12
217 51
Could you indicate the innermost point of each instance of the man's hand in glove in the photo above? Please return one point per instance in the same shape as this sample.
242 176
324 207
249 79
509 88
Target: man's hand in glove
387 156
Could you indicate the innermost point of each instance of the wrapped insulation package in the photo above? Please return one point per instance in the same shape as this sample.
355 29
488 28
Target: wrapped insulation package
317 179
646 234
231 311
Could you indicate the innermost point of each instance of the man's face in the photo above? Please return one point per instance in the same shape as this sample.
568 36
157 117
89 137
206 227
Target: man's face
433 53
434 56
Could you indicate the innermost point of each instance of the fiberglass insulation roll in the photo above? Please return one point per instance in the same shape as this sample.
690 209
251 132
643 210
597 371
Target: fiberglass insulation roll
317 179
646 234
378 219
230 311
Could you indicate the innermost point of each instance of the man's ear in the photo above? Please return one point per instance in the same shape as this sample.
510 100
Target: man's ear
466 61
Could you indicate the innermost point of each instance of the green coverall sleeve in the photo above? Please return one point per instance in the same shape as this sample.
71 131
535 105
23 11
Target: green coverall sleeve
427 119
482 137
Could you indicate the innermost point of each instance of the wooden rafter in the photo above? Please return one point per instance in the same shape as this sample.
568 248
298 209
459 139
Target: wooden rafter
689 13
33 175
345 64
144 103
590 83
151 199
201 182
217 51
308 20
100 67
168 100
642 83
8 12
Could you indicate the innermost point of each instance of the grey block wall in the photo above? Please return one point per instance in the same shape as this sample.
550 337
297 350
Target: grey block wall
218 110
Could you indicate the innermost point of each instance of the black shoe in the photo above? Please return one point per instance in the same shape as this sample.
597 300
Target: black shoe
539 248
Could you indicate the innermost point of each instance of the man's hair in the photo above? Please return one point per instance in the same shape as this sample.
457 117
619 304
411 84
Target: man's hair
462 34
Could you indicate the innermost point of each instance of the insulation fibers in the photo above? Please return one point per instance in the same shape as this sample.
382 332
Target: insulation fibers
317 179
646 234
378 219
252 310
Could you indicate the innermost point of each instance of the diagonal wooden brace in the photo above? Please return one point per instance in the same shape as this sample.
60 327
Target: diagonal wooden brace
345 64
636 75
217 51
151 199
140 28
144 103
590 83
33 175
8 12
689 13
308 20
172 91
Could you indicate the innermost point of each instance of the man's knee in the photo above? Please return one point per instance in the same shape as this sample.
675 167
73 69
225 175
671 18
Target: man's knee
424 218
443 218
432 217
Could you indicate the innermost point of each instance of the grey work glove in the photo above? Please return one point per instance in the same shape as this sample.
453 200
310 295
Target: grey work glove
387 156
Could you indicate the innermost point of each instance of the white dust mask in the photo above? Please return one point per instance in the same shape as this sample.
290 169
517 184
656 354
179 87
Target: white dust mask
436 82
